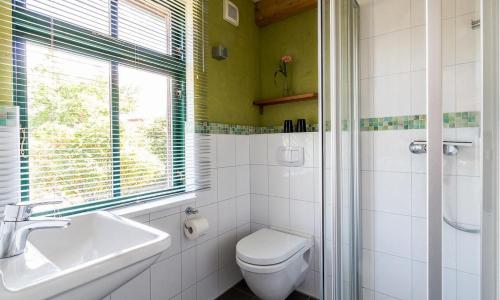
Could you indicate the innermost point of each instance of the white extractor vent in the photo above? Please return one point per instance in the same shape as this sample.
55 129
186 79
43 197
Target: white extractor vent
231 13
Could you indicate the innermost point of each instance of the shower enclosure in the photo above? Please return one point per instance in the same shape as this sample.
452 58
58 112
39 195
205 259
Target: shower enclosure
410 132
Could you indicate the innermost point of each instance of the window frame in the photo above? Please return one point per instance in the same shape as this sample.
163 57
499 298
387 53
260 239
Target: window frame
41 29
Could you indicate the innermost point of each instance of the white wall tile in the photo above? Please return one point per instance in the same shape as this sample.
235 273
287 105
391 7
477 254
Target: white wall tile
393 234
392 95
188 268
448 41
170 225
366 146
419 195
419 280
366 18
467 6
189 294
393 275
448 9
392 53
279 212
468 286
302 184
417 12
207 258
449 284
419 239
449 247
163 284
258 149
228 277
366 190
367 224
243 209
243 231
468 87
398 9
368 280
366 94
391 150
279 181
227 215
366 58
468 252
258 179
242 180
227 248
468 39
242 156
306 141
392 192
274 142
418 96
225 150
302 216
137 288
469 198
468 158
226 183
259 209
418 48
207 289
449 89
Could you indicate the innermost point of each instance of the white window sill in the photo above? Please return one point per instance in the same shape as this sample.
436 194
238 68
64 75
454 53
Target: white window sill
148 207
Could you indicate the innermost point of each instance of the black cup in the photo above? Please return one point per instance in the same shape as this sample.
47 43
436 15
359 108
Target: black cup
288 126
301 125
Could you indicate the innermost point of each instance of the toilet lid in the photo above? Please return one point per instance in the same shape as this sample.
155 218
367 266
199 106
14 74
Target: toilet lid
269 247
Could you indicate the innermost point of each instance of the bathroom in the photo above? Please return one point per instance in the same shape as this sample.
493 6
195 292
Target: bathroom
249 149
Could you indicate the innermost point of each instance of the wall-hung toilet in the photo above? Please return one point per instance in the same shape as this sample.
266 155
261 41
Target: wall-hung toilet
273 263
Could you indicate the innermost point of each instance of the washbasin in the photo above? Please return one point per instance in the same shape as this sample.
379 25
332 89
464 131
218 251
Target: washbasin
94 256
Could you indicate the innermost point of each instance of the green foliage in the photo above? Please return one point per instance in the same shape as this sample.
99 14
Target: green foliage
70 140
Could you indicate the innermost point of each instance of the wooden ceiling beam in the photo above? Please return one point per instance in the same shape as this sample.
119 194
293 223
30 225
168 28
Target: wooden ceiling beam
270 11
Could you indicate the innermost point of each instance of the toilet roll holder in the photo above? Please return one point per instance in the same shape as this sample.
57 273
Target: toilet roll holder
190 211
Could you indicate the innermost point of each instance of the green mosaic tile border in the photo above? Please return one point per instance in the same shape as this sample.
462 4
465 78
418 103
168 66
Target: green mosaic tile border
393 123
450 120
220 128
468 119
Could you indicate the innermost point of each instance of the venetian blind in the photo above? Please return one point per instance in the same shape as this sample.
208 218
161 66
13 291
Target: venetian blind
109 93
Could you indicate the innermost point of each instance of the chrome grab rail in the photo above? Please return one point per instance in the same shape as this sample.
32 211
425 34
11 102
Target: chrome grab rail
449 147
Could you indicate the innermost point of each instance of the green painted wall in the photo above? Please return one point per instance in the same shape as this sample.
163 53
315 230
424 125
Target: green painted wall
296 36
233 84
247 74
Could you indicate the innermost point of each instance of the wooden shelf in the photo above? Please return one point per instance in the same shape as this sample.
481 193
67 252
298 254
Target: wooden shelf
284 100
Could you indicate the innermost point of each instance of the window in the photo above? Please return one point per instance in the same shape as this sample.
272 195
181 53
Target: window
101 96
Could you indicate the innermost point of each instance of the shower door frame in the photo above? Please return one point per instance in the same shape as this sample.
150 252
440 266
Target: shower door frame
490 156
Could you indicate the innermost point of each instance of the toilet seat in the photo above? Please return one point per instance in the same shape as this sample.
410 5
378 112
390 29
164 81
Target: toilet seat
269 250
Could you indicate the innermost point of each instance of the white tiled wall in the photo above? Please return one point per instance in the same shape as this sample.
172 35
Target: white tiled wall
284 197
205 268
393 180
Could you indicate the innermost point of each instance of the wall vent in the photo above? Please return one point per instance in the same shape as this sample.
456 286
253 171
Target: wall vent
231 13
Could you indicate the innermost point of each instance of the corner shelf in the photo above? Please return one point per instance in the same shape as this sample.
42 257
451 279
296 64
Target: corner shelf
284 100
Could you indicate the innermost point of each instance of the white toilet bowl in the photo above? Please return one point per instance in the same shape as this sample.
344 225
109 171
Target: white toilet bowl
273 263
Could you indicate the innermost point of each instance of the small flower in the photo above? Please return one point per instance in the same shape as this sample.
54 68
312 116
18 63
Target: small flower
286 59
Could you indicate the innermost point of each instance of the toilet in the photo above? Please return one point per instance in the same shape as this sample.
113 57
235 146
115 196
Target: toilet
273 263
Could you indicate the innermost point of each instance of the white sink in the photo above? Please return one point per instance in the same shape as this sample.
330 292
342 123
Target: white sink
94 256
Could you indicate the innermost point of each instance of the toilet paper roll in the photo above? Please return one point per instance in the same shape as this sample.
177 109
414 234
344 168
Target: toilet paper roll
195 227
